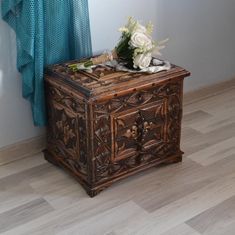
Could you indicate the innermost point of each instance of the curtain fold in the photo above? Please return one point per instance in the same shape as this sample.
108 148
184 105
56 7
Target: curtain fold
47 32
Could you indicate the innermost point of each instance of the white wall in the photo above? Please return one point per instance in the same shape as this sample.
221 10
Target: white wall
201 33
107 16
15 114
202 37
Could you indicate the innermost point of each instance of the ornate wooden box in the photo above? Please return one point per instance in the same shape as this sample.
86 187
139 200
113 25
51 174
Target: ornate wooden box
107 125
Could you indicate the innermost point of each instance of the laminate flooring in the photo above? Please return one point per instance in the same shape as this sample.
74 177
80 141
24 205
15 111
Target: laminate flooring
195 197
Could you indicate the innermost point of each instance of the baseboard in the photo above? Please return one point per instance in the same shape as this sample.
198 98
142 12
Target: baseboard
22 149
35 145
208 91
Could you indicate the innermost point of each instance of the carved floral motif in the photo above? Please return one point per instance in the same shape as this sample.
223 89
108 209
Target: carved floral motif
139 136
67 136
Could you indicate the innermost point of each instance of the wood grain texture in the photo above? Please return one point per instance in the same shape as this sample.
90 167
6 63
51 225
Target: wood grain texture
214 152
23 214
182 229
190 205
217 220
105 221
195 117
195 197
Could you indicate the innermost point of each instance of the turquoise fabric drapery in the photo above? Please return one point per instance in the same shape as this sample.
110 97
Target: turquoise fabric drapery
47 32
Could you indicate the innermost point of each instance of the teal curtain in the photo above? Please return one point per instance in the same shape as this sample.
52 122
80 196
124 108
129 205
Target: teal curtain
47 32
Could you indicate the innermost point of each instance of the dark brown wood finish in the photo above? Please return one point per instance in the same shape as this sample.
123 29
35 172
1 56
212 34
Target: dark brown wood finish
106 125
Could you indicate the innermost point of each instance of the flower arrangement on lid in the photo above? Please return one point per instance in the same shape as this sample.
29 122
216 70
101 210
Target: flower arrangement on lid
135 48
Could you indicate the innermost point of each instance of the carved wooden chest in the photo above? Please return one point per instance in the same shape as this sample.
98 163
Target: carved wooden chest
107 125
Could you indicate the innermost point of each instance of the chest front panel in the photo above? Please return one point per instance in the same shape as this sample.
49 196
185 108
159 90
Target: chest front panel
135 129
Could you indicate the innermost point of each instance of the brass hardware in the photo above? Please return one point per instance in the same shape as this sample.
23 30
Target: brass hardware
132 133
135 131
147 126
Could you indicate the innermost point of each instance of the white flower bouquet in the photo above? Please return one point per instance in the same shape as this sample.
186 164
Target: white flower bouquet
135 48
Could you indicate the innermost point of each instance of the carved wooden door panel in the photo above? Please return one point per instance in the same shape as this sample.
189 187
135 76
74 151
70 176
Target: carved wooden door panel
138 130
125 135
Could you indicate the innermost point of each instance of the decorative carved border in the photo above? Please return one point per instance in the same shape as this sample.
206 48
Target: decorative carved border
67 133
103 124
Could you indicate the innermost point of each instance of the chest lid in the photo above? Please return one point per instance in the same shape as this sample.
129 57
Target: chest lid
105 80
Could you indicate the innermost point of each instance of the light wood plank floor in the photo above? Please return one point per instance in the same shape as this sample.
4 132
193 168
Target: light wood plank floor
196 197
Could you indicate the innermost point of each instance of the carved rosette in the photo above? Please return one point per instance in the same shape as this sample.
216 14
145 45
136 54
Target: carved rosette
143 126
67 134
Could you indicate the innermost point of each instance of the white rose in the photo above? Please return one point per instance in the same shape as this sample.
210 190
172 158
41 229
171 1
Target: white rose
142 61
141 40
